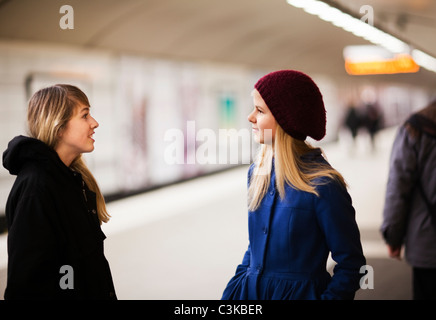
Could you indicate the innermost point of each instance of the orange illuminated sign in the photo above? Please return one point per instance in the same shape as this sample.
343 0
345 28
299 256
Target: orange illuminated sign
401 63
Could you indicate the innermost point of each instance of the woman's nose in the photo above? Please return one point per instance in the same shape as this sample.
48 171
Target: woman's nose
95 123
251 117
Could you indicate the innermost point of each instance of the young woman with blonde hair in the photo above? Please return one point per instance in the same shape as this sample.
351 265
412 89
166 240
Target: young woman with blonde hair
55 208
299 208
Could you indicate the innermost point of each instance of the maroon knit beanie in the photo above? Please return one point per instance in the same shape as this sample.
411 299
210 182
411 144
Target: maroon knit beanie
296 103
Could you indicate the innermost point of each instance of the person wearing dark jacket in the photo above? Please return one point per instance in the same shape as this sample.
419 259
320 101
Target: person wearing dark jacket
409 216
55 208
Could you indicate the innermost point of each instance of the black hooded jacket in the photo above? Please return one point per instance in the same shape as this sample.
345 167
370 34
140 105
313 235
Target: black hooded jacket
55 243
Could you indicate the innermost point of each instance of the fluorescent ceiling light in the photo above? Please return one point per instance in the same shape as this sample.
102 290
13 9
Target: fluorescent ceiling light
351 24
363 30
424 60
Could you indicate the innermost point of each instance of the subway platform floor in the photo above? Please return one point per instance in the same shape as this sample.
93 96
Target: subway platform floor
183 242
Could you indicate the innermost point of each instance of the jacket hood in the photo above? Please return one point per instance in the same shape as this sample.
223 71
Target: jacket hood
22 150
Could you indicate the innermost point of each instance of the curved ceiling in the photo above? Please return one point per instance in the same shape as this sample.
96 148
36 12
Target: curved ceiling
256 33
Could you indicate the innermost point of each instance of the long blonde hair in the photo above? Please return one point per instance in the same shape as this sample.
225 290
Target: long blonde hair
289 168
49 111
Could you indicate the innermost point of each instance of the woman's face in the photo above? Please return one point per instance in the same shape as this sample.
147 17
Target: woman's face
76 137
262 120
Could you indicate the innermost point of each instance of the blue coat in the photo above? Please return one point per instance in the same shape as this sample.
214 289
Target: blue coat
289 243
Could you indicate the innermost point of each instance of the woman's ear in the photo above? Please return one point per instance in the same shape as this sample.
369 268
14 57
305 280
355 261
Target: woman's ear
60 131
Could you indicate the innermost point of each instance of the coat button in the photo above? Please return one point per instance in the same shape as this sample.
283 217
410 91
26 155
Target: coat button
271 192
265 230
259 268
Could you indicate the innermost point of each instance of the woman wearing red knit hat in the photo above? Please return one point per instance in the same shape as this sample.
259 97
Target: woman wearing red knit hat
299 207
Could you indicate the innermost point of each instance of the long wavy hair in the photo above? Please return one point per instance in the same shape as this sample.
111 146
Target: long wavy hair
289 168
48 113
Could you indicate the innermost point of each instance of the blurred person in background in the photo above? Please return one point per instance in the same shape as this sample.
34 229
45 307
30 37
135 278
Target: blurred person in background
55 208
299 207
409 216
352 120
372 120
